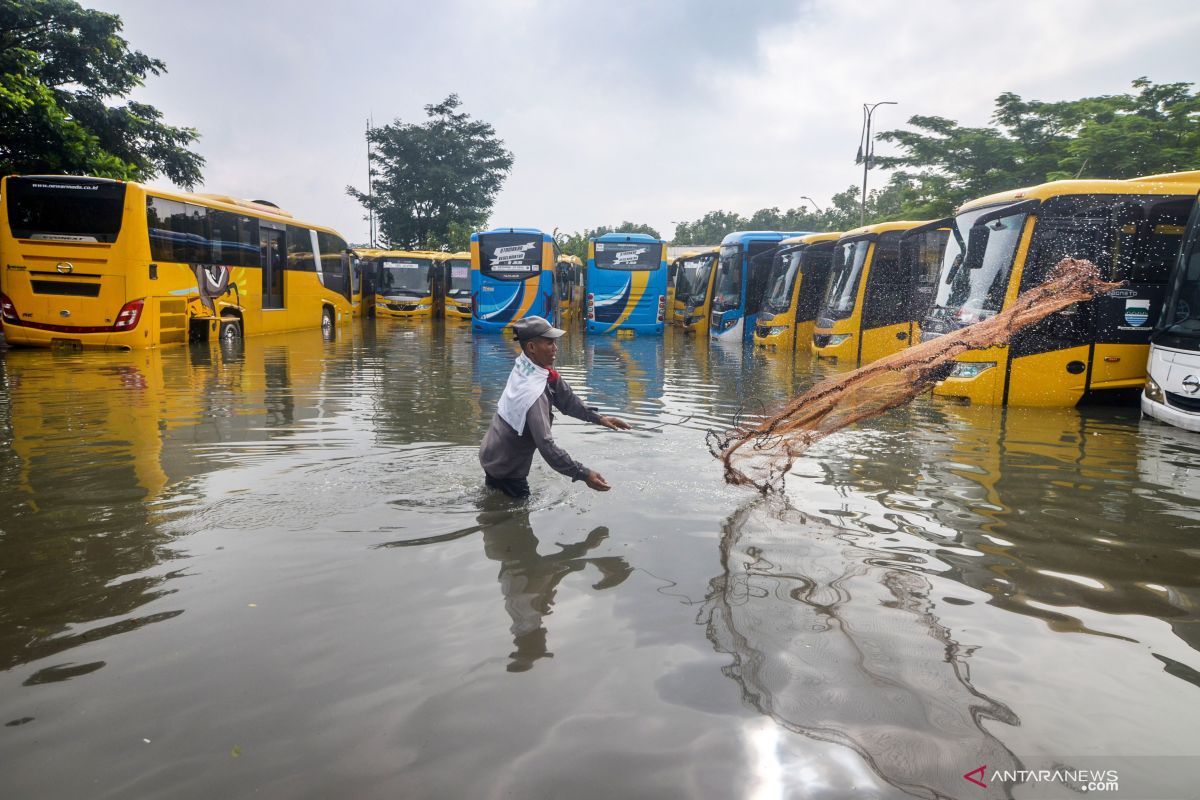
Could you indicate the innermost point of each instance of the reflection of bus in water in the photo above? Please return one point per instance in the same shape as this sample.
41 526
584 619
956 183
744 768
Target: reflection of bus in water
93 262
457 281
693 296
1172 392
626 373
740 282
795 286
875 295
1009 242
406 281
626 283
512 275
154 424
568 274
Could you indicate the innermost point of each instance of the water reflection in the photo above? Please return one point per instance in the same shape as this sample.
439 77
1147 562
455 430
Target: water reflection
842 643
529 581
100 448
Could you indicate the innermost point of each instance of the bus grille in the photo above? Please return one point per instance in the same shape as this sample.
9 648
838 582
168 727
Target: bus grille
402 306
64 288
1186 403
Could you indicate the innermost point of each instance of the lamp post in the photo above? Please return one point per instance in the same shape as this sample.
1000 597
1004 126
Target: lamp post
866 151
814 203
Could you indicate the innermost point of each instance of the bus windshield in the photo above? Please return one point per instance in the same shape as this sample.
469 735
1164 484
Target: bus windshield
1182 315
460 277
727 290
965 294
781 280
404 276
844 274
693 279
628 255
68 209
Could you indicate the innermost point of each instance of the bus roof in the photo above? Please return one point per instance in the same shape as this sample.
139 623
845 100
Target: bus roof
813 238
535 231
885 227
576 260
741 237
222 202
461 254
627 237
1169 183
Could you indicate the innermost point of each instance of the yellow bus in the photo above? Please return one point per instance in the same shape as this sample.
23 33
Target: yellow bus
1008 242
457 281
868 310
695 290
93 262
406 281
568 274
794 290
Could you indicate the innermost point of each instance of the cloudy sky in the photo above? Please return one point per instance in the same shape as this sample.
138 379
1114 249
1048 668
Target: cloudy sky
654 111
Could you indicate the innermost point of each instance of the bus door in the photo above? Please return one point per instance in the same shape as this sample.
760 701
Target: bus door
921 252
273 253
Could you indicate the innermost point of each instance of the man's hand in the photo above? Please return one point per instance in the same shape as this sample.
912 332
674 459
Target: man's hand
614 424
596 481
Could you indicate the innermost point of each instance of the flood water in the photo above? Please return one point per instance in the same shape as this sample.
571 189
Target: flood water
276 573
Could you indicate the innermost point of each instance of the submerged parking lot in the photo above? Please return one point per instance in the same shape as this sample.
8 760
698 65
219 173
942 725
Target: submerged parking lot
274 569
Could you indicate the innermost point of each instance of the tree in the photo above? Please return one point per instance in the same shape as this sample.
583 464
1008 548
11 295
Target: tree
435 180
575 244
60 67
942 165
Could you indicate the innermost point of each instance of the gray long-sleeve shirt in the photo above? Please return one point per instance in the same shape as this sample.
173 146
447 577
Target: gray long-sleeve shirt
507 454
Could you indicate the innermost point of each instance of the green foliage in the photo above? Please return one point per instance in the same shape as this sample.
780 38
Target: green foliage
575 244
942 165
841 214
435 180
60 67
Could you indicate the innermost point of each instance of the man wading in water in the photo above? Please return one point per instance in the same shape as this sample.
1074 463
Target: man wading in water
523 417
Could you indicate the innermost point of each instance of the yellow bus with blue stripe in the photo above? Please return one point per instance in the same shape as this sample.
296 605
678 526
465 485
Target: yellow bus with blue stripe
626 283
512 276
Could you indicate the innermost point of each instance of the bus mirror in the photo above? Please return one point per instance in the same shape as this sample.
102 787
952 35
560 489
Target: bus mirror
977 242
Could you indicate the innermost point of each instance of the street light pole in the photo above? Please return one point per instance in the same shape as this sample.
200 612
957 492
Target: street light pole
866 151
816 207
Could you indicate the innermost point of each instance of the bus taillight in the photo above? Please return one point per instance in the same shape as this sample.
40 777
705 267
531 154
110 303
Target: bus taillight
131 312
591 306
8 312
662 307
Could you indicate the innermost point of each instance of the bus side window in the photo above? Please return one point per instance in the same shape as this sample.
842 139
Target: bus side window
1146 248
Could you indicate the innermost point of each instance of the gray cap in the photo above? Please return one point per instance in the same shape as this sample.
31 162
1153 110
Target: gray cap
531 327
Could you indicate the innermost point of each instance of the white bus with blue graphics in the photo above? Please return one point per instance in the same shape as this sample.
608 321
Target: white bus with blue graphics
626 283
741 281
512 276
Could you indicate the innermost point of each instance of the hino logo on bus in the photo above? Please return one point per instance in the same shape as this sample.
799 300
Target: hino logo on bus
65 267
1191 384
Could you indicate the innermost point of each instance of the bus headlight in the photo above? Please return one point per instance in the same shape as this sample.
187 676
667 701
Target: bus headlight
424 307
729 323
836 339
970 369
1154 392
774 330
693 319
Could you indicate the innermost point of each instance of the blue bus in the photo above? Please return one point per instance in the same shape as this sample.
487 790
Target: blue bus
626 283
512 276
741 282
